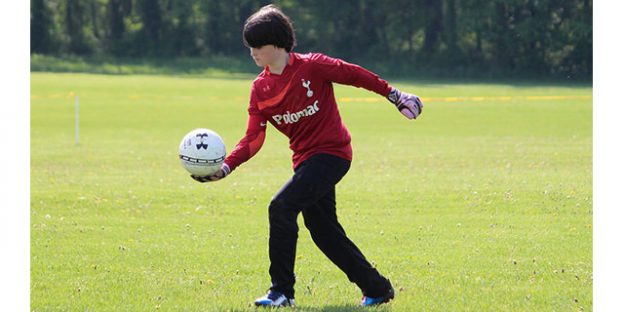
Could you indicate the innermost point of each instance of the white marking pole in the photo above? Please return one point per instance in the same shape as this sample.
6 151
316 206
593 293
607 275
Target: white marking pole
77 121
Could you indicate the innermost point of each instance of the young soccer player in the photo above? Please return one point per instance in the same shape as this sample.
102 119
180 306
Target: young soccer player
294 94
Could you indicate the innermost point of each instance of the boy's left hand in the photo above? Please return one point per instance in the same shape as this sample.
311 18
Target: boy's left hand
408 104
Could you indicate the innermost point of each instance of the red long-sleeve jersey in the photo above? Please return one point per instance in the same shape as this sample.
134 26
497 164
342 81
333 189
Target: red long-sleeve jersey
301 104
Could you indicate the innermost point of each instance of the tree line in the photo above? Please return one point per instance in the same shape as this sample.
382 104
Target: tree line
466 38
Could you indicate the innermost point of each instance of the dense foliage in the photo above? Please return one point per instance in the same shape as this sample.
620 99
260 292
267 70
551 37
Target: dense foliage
548 38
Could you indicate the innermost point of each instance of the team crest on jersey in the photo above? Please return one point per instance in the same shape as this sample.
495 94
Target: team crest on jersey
306 84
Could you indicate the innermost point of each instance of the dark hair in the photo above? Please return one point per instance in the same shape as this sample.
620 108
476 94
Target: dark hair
269 26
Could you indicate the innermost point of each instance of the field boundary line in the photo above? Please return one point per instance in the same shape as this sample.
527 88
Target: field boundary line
481 98
378 99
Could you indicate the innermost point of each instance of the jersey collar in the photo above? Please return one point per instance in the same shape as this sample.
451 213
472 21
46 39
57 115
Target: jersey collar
291 60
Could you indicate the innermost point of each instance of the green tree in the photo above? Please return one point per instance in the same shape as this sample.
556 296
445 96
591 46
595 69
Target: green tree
148 39
41 28
450 26
434 26
116 10
468 37
74 27
184 31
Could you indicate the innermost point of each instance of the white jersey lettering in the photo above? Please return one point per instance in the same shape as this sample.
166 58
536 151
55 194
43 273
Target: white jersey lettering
289 117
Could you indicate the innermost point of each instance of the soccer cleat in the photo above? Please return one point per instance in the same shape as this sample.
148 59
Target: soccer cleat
274 299
368 301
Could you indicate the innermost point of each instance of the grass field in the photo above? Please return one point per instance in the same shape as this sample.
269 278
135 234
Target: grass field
483 204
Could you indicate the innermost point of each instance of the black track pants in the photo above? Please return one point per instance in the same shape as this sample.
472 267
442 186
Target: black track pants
311 191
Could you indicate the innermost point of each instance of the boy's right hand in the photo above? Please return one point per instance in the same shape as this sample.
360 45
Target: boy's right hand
222 173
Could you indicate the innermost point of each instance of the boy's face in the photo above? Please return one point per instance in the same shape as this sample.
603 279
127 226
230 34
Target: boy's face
265 55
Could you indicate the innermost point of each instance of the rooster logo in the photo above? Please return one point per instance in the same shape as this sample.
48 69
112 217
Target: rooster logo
306 84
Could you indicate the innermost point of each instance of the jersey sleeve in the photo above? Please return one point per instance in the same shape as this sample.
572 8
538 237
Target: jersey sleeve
251 143
339 71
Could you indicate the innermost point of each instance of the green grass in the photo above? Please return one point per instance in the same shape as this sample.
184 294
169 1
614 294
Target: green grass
212 66
478 205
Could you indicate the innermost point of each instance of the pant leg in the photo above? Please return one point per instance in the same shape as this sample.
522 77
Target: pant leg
330 237
312 180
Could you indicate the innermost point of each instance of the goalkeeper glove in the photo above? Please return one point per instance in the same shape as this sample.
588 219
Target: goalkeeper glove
222 173
408 104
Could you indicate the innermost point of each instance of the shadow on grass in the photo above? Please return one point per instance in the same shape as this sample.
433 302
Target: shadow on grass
343 308
328 308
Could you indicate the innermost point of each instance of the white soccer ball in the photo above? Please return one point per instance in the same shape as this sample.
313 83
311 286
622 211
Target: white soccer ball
202 152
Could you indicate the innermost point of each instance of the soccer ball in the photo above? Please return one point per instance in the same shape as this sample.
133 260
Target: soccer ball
202 152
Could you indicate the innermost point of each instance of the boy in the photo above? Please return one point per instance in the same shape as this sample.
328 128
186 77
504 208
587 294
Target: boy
294 93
